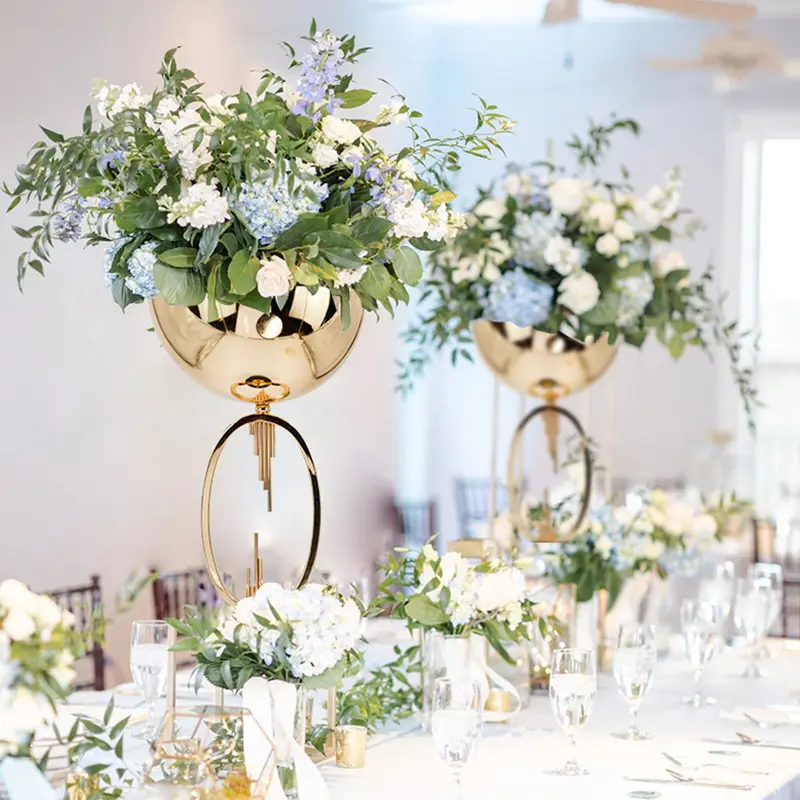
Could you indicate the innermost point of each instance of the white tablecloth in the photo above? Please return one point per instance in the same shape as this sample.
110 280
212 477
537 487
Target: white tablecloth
512 759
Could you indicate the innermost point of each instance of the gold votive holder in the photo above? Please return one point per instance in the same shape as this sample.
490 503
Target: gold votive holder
351 746
81 785
499 700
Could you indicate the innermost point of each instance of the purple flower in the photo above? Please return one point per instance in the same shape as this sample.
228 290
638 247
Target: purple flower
319 72
66 224
112 160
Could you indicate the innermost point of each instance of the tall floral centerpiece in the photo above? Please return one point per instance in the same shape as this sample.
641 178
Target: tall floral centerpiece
37 649
459 606
577 254
241 199
276 645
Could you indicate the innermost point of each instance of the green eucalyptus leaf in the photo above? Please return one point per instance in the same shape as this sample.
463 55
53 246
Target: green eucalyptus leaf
407 265
371 230
242 272
179 287
140 213
423 610
179 257
605 312
355 97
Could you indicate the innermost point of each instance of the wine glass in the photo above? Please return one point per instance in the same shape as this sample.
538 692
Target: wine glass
634 662
751 613
456 722
573 685
701 622
149 666
774 574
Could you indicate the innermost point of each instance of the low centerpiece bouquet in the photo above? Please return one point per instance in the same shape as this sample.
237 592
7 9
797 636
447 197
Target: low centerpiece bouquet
38 645
276 645
460 606
239 198
576 254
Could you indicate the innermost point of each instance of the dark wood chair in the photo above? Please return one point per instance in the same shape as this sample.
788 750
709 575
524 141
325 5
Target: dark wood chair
174 590
415 522
86 603
764 550
472 503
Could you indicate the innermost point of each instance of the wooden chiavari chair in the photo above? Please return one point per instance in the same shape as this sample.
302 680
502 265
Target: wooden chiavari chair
472 503
415 522
174 590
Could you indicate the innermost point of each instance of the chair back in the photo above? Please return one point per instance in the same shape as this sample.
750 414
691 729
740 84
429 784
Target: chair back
85 603
415 522
472 503
192 587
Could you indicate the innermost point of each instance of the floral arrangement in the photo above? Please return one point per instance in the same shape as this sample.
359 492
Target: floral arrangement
239 198
304 636
575 254
450 595
38 645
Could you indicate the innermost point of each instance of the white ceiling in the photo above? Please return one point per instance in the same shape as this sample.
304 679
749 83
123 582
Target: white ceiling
521 11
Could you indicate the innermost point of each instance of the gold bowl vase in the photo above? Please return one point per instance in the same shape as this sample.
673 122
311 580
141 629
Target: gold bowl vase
300 347
543 365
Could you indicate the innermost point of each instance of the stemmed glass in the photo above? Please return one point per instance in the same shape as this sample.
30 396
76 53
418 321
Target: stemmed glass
573 685
774 574
634 662
701 622
751 613
456 723
149 667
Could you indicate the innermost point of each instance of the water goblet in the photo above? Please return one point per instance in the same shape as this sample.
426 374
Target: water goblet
149 667
634 662
751 613
701 622
774 574
456 723
573 686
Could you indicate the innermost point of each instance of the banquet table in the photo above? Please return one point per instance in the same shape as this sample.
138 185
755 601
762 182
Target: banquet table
512 759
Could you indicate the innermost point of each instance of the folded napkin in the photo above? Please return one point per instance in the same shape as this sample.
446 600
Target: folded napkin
772 715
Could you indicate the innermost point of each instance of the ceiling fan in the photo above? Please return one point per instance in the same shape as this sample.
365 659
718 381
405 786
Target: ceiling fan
730 11
734 56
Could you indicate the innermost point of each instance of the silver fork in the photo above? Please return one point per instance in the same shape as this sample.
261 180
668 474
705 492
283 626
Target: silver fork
760 723
705 766
745 787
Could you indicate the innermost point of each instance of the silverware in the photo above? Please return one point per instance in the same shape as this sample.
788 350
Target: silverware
745 787
705 766
697 783
749 740
762 724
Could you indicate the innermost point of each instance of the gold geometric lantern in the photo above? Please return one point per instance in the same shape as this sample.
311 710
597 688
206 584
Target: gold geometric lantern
546 366
262 359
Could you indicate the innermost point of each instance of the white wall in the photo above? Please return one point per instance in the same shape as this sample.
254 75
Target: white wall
104 440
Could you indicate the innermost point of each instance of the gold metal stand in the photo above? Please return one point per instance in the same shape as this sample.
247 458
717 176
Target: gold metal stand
262 425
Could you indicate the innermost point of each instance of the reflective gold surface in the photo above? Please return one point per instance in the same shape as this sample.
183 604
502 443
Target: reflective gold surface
543 365
300 347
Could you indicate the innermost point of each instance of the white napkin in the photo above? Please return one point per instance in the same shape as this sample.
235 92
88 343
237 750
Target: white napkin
772 715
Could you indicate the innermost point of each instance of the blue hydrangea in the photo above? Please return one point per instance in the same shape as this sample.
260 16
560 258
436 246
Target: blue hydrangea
269 208
108 258
67 223
531 234
140 265
518 298
635 293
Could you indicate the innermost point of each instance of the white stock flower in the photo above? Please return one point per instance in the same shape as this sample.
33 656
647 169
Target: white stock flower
491 211
608 245
667 262
199 206
562 255
703 528
579 292
651 549
517 184
274 279
678 517
410 219
350 277
405 169
468 268
567 195
342 131
604 545
19 625
623 230
391 114
47 612
623 516
324 155
113 100
499 589
603 214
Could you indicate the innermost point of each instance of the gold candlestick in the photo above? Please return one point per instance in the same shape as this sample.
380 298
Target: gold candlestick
254 579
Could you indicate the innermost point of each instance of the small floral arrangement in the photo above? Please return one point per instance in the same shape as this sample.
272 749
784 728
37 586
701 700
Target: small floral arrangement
450 595
38 645
304 636
239 198
575 254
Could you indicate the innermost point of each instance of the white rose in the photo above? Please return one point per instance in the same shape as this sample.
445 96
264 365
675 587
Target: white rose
623 230
517 183
604 546
338 130
14 594
703 527
499 589
668 262
579 292
651 549
19 625
47 612
608 245
324 155
567 195
274 277
491 211
603 214
678 517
